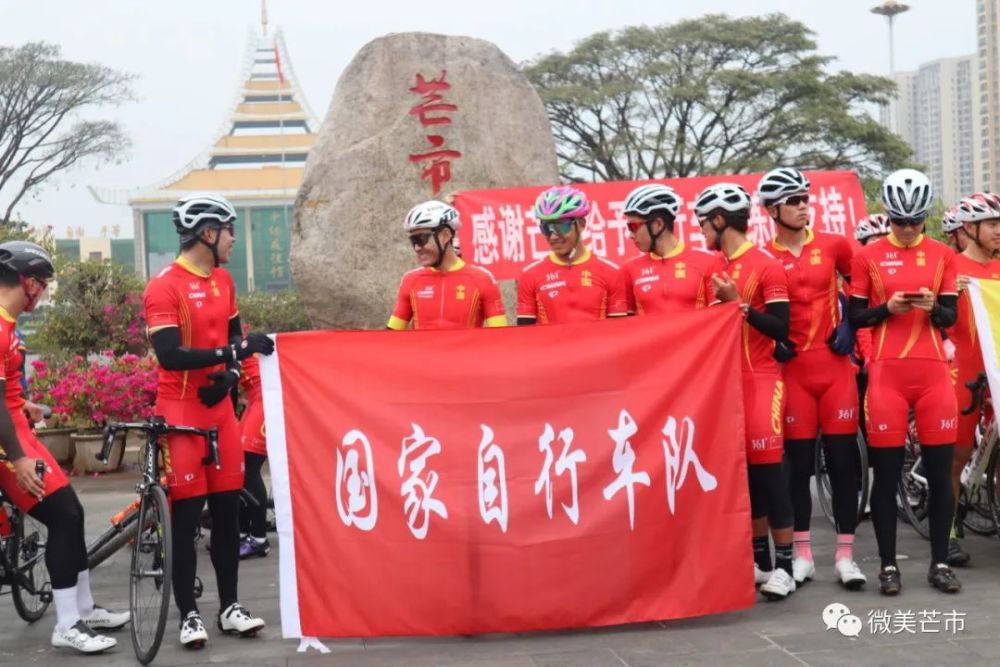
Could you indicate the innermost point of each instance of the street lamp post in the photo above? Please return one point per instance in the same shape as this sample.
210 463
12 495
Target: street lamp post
890 9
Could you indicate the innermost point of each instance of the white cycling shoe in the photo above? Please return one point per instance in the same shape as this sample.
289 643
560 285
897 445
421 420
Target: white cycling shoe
778 586
100 618
193 633
850 574
237 619
803 570
82 638
760 576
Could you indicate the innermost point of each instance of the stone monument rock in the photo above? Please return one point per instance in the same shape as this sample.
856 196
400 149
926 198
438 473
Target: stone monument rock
415 116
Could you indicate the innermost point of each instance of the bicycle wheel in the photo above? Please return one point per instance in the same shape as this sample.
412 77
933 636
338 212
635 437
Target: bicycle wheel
864 476
113 540
912 497
992 487
30 585
149 583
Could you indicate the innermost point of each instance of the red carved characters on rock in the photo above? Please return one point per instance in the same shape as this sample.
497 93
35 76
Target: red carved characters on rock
433 110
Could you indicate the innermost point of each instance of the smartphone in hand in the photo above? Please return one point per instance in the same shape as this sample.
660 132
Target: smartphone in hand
911 296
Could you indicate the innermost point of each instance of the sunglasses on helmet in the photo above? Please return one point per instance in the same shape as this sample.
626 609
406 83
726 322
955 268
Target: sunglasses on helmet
563 227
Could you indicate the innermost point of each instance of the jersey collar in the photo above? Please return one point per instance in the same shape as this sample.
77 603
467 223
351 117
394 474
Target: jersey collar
678 249
742 250
191 268
7 316
891 238
584 256
459 264
810 237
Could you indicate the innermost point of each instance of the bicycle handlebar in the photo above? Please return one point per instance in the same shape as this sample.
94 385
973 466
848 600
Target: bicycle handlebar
157 426
978 387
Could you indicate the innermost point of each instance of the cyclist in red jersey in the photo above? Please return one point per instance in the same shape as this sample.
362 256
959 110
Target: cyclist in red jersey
572 284
953 230
25 270
868 230
194 326
979 216
668 277
817 371
904 286
445 292
253 520
755 279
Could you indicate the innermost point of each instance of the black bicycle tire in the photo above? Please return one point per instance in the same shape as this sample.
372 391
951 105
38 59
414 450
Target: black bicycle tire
992 490
123 534
921 524
145 655
16 590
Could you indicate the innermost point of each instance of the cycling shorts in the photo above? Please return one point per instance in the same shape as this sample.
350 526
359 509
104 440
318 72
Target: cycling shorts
895 386
764 405
187 475
54 478
822 395
252 428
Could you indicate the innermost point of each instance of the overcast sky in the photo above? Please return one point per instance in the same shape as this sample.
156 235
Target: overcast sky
187 55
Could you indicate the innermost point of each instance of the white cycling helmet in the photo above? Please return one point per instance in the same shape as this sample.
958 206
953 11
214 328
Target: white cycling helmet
646 199
780 183
430 215
907 193
728 197
873 225
975 208
192 213
949 221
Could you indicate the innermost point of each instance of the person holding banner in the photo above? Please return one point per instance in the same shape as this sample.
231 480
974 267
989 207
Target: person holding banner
572 284
817 371
445 292
757 281
668 277
906 287
979 217
253 520
194 326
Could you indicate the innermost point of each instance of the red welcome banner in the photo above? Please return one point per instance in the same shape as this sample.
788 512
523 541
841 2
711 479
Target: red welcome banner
498 480
500 231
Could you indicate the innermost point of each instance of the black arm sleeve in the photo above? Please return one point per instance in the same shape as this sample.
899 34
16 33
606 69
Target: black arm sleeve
773 323
945 311
173 357
8 433
860 315
235 330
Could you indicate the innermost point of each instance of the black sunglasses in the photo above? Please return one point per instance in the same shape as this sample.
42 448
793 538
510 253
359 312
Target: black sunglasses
907 222
421 239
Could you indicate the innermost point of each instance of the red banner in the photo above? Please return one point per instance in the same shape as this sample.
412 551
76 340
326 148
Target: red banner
462 482
500 231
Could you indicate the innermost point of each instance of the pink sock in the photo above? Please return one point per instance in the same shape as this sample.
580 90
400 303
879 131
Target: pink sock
803 549
845 547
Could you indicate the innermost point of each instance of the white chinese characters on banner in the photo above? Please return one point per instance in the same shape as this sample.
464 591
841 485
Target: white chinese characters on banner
419 482
484 237
623 461
492 481
512 230
357 497
679 454
832 215
567 462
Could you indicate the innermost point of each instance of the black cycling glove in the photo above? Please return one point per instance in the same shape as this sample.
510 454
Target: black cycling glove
254 343
222 383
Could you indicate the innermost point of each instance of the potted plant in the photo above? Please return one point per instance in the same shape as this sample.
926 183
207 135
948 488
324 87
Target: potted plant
55 435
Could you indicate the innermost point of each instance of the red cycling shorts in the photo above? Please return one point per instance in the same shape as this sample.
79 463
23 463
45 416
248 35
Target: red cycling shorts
895 386
822 393
252 428
764 405
54 478
187 475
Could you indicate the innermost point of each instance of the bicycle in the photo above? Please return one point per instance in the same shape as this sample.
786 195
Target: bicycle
824 488
22 557
152 546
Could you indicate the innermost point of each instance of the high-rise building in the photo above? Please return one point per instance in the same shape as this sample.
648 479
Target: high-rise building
935 113
257 162
988 88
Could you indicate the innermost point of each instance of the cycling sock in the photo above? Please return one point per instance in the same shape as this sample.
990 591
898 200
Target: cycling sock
954 531
225 510
887 469
843 464
258 540
845 548
803 549
84 597
783 557
184 519
941 498
801 458
762 553
67 613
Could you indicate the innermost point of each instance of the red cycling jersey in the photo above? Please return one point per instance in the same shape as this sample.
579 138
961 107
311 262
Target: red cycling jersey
554 292
201 306
682 280
464 297
812 286
760 280
882 269
250 378
963 334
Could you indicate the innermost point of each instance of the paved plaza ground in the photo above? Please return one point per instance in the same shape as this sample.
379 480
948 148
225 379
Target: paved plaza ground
964 632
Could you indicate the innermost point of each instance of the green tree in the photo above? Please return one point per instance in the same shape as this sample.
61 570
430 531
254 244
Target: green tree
41 134
274 311
710 95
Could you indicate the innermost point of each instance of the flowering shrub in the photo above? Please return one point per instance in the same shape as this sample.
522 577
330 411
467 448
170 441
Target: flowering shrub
88 393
